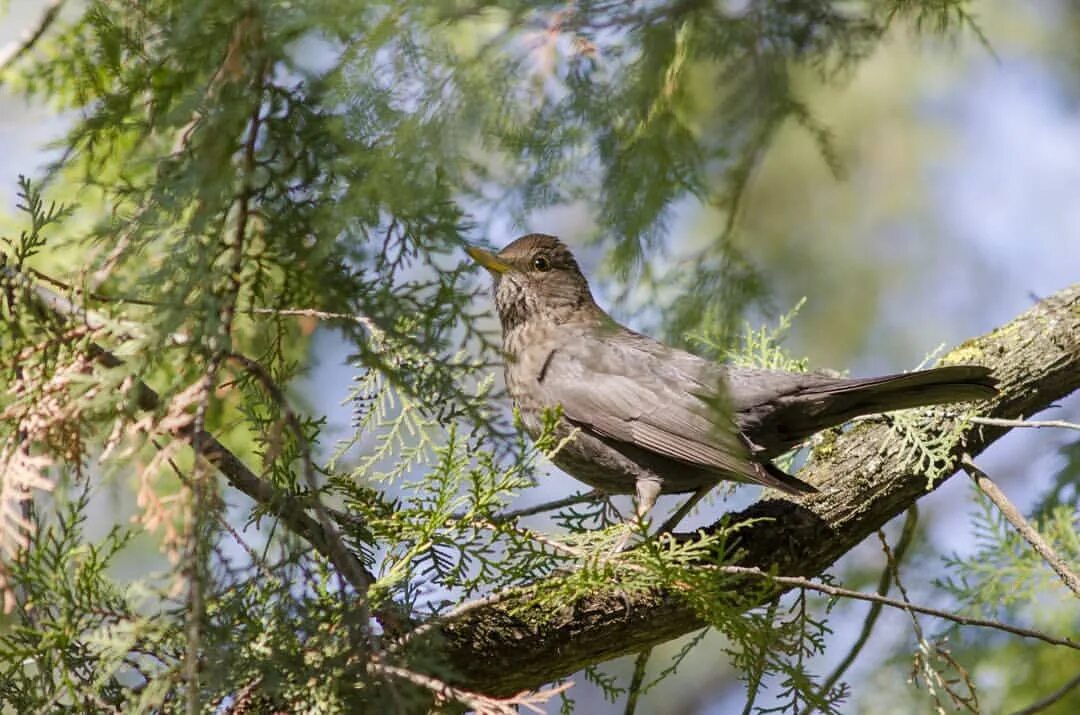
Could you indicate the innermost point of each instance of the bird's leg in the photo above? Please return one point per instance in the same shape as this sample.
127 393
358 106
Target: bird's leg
679 515
647 492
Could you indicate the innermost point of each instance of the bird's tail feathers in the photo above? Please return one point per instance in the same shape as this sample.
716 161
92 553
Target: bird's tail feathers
851 397
769 475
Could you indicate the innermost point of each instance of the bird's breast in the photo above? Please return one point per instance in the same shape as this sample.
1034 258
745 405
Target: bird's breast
528 350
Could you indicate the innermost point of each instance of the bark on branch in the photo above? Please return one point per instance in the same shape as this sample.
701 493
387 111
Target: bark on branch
1036 359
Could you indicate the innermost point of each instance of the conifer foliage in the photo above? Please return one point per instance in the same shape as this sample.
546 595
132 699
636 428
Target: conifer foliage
237 174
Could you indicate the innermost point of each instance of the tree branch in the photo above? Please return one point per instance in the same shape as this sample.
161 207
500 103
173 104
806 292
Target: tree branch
864 483
11 52
1030 533
1034 424
902 604
907 536
1052 698
291 511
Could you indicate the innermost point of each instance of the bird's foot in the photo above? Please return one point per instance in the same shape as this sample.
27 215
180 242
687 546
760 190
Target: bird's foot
622 543
685 509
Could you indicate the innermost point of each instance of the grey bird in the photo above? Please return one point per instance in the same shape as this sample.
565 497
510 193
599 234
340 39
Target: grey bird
646 418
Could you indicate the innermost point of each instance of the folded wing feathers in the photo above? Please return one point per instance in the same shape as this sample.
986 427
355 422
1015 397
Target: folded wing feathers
644 409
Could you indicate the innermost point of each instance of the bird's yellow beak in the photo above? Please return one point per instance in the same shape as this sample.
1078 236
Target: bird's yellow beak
487 259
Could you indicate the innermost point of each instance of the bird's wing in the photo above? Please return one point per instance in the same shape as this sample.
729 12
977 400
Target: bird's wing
628 391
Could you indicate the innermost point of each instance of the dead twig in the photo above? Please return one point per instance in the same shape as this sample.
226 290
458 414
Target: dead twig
481 704
907 536
1034 424
1010 512
839 592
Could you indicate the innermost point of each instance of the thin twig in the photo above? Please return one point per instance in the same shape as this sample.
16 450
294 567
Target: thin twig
94 295
443 690
1040 705
482 704
892 564
282 505
435 621
1010 512
16 49
256 561
907 536
839 592
200 487
491 598
514 514
356 575
552 543
99 297
319 315
874 598
756 671
923 659
1034 424
636 681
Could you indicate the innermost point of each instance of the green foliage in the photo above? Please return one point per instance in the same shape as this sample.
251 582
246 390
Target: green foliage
927 438
31 241
71 638
926 442
755 347
1066 489
246 169
1004 573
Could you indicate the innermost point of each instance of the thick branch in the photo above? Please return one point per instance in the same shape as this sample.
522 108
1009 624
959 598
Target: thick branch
1036 359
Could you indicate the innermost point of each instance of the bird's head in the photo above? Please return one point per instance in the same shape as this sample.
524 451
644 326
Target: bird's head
536 278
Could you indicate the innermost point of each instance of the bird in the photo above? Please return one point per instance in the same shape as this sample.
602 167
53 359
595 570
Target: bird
637 416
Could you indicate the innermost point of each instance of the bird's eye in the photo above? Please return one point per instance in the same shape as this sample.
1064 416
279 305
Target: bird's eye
541 263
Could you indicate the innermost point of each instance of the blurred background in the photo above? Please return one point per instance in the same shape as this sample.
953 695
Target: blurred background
957 206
